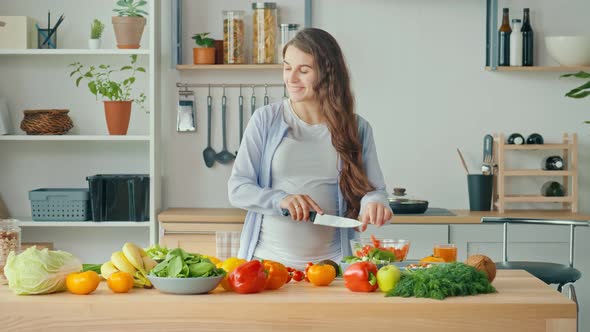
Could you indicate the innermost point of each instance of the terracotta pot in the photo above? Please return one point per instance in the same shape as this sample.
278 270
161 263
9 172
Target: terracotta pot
117 114
204 56
128 30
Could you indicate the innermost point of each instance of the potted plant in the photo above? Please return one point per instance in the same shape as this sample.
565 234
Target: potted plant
129 23
204 53
96 29
583 90
117 107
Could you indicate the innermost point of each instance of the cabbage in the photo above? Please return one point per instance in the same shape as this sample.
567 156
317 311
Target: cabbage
39 271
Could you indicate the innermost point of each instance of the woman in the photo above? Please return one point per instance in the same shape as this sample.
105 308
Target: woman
309 152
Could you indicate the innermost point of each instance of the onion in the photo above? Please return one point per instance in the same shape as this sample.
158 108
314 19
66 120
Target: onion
483 263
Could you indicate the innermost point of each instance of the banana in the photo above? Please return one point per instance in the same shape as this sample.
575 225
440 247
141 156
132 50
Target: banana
120 262
107 269
133 255
149 263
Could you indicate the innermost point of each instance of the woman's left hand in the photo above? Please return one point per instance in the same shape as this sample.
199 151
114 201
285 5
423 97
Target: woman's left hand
376 214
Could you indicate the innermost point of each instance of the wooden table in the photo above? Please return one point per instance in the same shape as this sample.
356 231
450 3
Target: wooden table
523 303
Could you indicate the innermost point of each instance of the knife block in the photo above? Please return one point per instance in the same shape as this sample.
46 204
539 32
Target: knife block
569 153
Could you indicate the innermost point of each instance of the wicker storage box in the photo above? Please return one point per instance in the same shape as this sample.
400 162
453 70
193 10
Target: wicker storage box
46 122
60 204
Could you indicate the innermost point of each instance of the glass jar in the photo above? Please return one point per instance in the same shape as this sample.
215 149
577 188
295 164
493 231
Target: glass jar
10 238
287 32
233 36
264 45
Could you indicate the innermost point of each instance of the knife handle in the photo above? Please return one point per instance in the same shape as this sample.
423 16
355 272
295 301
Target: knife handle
312 214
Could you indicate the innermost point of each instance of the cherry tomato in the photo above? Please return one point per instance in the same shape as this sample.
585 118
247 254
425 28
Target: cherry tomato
298 275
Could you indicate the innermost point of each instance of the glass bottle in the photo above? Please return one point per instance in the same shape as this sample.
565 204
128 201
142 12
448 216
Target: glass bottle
265 25
516 43
504 40
287 31
10 240
527 40
552 189
233 36
553 163
535 138
516 138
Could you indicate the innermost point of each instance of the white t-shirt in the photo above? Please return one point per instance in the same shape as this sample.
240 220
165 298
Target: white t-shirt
304 163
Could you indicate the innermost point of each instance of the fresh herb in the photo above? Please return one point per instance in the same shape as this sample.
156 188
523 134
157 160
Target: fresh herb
180 264
441 281
96 29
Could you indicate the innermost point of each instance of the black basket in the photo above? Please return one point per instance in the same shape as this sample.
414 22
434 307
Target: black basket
119 197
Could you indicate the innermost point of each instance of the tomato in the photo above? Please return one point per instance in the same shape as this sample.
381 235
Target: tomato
298 275
120 282
82 283
321 275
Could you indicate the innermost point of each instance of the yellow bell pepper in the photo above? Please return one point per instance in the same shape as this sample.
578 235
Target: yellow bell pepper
229 265
216 261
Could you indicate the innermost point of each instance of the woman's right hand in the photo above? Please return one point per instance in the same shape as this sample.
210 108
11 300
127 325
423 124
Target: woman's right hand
299 206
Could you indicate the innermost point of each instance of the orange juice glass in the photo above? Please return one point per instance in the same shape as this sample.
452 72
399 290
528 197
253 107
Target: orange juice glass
448 252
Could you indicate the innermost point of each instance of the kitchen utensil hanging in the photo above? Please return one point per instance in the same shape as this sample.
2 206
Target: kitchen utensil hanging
224 156
186 111
266 98
252 102
209 154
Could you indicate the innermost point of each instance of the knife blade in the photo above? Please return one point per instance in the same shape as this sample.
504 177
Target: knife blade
328 220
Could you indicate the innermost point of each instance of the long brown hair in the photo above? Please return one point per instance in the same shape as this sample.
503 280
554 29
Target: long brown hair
336 101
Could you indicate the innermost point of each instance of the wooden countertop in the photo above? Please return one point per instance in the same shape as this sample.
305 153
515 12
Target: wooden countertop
523 303
231 215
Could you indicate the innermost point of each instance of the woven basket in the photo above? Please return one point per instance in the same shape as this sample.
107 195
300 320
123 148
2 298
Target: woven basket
46 122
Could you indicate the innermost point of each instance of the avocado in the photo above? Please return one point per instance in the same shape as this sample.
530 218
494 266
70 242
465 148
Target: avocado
334 264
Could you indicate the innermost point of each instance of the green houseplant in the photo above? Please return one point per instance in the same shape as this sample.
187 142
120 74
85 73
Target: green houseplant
129 23
117 93
96 29
583 90
204 53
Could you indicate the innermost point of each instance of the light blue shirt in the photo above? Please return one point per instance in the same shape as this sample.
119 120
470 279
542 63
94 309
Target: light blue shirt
250 187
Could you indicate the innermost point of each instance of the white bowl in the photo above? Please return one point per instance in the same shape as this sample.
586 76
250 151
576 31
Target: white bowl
569 50
199 285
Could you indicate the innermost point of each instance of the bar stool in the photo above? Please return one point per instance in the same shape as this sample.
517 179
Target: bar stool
550 273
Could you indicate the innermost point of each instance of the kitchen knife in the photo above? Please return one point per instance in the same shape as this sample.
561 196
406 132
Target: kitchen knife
328 220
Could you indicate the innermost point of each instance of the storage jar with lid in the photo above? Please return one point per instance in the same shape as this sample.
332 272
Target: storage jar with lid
233 36
264 16
10 240
287 31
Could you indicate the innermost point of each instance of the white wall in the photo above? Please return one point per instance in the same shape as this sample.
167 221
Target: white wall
418 77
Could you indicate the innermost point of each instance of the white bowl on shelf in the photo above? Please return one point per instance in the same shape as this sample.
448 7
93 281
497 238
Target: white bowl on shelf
569 50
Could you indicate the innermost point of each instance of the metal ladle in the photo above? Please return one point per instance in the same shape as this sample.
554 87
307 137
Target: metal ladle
209 154
224 156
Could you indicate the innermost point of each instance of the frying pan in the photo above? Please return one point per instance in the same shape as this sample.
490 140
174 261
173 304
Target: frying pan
400 205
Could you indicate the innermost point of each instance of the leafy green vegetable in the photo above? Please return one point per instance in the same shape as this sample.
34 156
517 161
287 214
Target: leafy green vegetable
376 256
180 264
39 271
440 281
91 267
156 252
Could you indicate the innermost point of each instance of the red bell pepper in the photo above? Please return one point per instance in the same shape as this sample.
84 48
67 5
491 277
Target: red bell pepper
248 278
361 277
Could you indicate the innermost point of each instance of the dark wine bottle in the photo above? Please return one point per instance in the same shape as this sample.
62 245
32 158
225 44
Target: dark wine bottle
552 163
535 139
527 40
504 40
516 138
553 189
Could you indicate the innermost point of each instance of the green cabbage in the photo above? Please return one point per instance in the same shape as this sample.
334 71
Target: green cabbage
39 271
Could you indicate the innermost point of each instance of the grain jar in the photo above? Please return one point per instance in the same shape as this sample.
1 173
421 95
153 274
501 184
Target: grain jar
265 26
10 238
233 36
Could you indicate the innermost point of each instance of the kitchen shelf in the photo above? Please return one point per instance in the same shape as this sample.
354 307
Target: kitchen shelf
536 147
537 199
540 69
28 222
64 51
75 138
230 67
535 172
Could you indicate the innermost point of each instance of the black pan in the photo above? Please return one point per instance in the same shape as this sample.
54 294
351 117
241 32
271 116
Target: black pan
408 206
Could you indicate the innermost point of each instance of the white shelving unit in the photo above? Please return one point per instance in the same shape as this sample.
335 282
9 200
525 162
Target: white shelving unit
38 79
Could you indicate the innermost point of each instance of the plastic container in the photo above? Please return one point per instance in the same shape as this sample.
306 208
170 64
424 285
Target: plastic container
119 197
60 204
265 25
287 32
10 240
233 37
